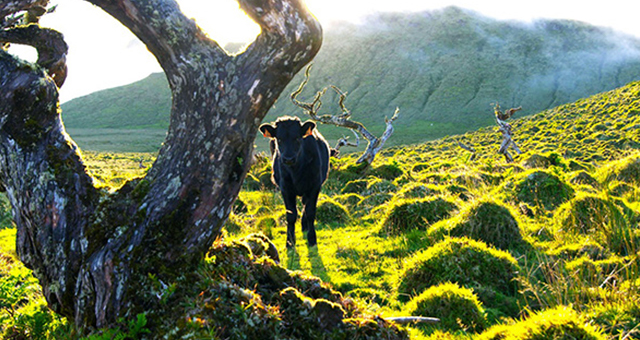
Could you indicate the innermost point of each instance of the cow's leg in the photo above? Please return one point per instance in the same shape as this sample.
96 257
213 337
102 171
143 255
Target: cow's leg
303 220
292 215
309 216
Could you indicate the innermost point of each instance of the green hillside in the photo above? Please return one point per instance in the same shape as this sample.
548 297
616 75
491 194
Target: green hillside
543 248
443 69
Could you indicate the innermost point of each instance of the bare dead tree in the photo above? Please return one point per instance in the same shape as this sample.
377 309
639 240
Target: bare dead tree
342 119
91 249
505 130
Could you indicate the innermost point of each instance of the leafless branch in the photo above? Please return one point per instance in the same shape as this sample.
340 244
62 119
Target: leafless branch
505 130
343 120
403 320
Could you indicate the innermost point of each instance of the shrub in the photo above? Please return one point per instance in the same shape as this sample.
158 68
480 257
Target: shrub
486 221
560 323
539 188
405 215
457 308
470 263
329 211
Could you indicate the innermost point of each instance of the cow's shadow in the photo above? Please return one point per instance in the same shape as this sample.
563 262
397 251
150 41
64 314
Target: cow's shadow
293 259
317 266
315 259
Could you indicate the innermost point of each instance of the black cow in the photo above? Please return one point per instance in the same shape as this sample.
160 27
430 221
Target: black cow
300 166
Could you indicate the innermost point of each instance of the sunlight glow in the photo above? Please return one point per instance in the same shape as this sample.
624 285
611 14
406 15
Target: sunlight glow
222 20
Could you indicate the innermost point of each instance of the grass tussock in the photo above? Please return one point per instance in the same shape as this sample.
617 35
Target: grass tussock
496 250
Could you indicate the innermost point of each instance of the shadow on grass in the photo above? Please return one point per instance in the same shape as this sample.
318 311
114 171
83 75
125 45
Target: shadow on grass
317 266
293 259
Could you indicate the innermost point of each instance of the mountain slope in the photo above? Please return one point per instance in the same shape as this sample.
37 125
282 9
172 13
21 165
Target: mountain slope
143 104
443 69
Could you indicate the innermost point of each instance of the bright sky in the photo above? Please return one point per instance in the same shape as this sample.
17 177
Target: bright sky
104 54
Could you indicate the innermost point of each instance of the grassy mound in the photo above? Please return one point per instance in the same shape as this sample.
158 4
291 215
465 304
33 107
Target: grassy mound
624 170
418 190
350 200
487 221
561 323
594 272
539 188
456 307
543 161
241 292
583 178
329 211
387 171
472 264
589 214
356 186
600 219
406 215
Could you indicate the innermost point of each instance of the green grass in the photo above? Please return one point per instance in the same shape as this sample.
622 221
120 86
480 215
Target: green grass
546 247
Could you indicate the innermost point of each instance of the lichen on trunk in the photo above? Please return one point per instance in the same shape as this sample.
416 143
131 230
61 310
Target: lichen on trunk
89 247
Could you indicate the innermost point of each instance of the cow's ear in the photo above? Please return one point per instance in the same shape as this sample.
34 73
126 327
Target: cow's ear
307 128
268 130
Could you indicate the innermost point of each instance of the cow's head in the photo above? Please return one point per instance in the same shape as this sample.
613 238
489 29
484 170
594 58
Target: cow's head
288 133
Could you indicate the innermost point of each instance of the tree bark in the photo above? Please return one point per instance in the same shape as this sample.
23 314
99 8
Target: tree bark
90 248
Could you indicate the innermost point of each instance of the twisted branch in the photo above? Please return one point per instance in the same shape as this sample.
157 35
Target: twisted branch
19 25
343 120
505 130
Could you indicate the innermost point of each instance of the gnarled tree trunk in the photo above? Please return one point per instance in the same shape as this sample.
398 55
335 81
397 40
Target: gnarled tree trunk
88 247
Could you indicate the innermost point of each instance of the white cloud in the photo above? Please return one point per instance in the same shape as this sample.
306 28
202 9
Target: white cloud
104 54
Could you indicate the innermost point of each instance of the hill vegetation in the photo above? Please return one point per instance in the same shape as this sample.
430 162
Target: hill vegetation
543 248
443 69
